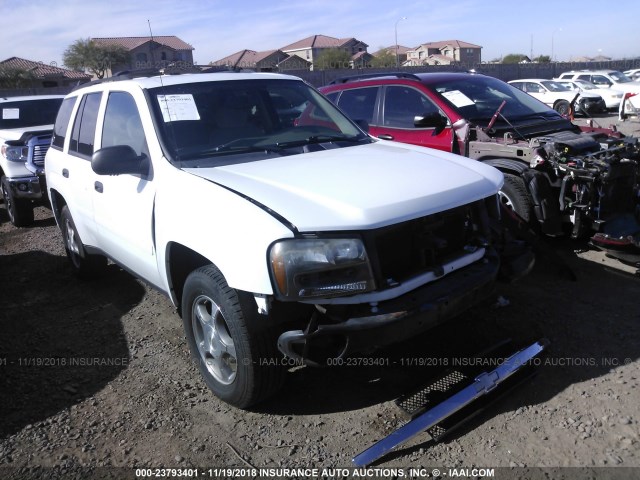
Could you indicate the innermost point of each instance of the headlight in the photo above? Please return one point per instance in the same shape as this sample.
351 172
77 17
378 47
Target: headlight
15 154
307 268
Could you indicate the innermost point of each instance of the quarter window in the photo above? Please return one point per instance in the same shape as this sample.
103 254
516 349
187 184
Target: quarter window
84 127
62 122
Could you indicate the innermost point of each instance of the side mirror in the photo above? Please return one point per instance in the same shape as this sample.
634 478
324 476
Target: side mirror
118 160
430 120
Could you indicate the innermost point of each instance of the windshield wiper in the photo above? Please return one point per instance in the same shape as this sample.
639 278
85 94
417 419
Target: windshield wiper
319 139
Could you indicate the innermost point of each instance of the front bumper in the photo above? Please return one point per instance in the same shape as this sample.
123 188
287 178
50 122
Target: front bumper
590 105
31 187
335 333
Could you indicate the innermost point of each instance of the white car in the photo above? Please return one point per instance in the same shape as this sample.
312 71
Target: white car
633 74
611 97
274 224
559 97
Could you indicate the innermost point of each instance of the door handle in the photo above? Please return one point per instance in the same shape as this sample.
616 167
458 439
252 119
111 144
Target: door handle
385 136
65 173
98 187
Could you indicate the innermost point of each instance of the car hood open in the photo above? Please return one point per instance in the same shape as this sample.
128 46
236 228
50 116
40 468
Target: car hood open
359 187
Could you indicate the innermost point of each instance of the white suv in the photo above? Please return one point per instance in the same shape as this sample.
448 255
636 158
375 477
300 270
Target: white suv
275 225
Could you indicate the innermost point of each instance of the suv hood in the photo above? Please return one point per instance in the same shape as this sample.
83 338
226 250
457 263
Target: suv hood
358 187
17 133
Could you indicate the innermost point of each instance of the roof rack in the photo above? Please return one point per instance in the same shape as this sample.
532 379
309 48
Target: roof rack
355 78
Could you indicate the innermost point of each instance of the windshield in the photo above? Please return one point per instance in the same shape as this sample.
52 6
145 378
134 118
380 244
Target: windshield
619 77
477 98
29 113
586 85
208 122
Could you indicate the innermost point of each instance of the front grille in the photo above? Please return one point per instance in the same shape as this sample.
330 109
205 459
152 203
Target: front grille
39 151
418 246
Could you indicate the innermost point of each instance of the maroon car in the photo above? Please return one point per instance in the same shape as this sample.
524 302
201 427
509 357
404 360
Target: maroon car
558 176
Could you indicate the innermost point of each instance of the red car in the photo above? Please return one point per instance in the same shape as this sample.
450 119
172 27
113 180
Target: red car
558 176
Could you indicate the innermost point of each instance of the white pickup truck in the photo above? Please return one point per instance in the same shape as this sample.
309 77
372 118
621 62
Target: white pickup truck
25 136
278 228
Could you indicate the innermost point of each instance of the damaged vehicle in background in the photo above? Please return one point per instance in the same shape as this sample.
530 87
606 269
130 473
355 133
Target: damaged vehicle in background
561 178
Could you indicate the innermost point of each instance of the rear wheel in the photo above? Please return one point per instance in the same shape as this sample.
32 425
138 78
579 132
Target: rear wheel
85 265
232 345
514 195
20 210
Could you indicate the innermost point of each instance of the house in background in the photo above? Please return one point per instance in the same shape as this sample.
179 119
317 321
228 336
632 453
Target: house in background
447 52
43 75
268 61
151 52
392 50
311 48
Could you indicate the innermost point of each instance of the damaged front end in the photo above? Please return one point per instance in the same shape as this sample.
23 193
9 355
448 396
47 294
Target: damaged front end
597 177
425 271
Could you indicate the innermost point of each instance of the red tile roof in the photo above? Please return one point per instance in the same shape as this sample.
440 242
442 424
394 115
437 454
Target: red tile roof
130 43
392 49
245 58
453 43
41 70
318 41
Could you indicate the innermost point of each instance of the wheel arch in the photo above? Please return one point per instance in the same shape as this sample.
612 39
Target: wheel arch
57 203
180 262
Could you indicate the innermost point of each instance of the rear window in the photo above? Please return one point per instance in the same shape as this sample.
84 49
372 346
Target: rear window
29 113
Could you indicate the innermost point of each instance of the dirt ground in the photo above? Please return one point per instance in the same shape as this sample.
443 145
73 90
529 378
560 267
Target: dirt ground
96 375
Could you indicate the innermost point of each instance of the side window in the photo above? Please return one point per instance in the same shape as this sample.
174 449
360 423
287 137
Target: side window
122 124
403 104
84 127
531 87
359 103
62 122
600 80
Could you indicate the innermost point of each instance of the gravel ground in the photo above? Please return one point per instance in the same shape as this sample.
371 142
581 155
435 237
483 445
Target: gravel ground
95 375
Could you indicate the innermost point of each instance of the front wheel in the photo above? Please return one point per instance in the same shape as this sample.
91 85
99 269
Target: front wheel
20 210
514 195
232 345
562 107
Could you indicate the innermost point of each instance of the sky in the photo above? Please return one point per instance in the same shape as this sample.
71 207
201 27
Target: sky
41 30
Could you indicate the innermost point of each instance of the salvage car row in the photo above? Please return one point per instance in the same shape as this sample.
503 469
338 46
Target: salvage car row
278 226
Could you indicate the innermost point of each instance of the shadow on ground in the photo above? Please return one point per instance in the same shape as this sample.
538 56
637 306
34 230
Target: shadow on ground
61 338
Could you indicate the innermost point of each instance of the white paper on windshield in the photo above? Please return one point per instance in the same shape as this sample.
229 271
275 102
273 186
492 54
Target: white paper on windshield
10 113
458 98
178 107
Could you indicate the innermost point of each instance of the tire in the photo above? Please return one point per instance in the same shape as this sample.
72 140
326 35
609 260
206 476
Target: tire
515 196
85 266
234 348
20 210
562 107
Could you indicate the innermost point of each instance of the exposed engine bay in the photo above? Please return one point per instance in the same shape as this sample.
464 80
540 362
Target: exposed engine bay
585 180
